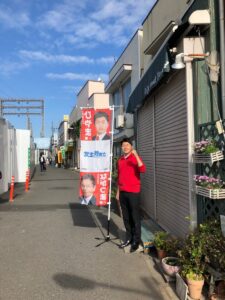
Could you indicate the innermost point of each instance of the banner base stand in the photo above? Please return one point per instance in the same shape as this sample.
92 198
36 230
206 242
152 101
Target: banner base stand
107 238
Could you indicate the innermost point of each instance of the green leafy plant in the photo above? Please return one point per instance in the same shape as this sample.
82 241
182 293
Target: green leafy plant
77 128
214 244
191 257
173 245
206 147
160 239
205 246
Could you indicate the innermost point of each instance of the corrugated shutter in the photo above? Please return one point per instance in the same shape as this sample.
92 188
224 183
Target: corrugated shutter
145 140
169 132
171 140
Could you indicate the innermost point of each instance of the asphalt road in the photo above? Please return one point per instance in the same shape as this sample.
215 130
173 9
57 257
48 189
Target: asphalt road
48 248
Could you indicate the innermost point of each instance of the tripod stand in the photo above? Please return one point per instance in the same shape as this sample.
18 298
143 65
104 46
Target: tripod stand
106 238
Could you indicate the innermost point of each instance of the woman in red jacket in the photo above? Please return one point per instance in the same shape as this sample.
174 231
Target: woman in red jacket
130 165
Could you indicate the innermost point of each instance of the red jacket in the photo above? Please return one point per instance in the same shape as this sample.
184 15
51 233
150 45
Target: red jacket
129 174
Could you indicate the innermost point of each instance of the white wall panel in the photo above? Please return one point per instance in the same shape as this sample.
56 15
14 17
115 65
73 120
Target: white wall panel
21 158
3 155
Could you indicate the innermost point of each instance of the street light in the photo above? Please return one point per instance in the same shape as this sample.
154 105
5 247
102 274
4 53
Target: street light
179 64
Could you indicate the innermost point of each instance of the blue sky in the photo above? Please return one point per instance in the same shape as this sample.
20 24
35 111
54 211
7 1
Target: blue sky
50 48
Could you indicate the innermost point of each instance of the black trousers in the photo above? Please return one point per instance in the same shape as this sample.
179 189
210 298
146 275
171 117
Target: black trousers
130 205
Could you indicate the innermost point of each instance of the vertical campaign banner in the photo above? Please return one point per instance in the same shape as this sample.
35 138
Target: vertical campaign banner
95 156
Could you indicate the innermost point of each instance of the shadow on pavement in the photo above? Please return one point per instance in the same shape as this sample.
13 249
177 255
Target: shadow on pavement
81 215
60 188
18 190
56 179
33 207
103 219
68 281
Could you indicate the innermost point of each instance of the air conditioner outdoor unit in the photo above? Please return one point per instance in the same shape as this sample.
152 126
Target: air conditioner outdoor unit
120 121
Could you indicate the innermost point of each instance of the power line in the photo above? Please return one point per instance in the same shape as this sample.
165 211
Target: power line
23 107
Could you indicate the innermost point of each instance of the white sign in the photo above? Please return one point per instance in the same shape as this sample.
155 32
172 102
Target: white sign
95 156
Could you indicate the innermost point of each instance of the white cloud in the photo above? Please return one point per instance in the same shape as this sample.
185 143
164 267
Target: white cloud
7 68
76 76
105 22
13 19
106 60
43 56
80 23
50 58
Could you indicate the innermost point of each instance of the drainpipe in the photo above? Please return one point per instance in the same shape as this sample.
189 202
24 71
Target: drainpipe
190 130
222 56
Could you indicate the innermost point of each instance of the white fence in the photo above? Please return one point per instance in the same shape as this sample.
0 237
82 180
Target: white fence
16 154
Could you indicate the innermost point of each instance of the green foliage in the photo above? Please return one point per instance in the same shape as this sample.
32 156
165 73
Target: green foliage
191 256
206 245
173 245
211 149
160 238
206 147
77 127
164 241
193 276
214 244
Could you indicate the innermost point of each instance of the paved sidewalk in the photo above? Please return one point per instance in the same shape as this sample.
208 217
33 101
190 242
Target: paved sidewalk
48 248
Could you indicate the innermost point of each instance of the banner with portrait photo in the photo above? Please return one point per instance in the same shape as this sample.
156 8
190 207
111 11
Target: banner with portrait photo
95 156
94 188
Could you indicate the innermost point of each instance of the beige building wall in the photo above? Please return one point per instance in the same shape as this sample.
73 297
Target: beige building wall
162 14
87 90
99 100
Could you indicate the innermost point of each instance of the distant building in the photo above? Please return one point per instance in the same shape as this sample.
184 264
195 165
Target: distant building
91 94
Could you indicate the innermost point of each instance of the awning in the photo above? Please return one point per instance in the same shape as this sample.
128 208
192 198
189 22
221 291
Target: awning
158 68
120 75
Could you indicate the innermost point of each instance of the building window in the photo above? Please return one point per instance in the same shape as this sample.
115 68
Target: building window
126 89
116 98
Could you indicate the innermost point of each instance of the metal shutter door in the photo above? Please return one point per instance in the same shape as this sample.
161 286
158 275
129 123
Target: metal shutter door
145 140
171 142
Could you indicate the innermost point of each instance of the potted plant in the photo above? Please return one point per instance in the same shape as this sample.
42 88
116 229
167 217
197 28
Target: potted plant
207 151
214 246
171 265
192 263
160 239
210 187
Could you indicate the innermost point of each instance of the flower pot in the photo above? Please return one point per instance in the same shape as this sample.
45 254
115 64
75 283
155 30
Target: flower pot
170 265
161 253
195 288
208 158
210 193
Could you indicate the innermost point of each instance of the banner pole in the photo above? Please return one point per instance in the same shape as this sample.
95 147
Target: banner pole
110 178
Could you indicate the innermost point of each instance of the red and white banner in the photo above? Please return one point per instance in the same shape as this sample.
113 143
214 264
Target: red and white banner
95 156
